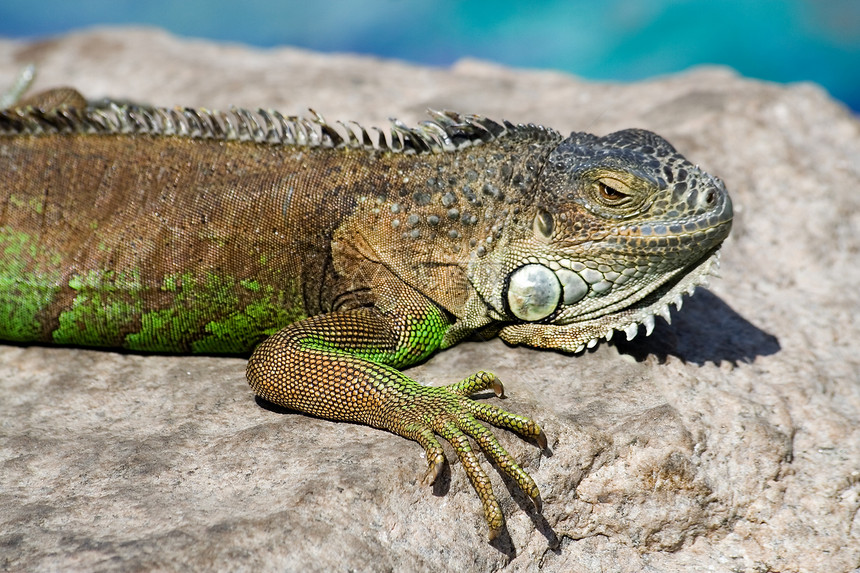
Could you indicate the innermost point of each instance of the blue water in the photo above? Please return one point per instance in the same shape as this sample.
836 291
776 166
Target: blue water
779 40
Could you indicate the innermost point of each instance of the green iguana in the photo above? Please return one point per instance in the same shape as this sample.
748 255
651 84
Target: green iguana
340 255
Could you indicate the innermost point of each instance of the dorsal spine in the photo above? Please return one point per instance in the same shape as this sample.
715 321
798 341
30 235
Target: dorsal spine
446 131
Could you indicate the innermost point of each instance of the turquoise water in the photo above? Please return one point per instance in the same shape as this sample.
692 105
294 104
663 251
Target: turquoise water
779 40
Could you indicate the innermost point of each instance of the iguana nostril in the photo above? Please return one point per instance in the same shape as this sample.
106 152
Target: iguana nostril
711 198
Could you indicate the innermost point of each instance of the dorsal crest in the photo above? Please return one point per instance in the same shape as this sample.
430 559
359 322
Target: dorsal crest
445 131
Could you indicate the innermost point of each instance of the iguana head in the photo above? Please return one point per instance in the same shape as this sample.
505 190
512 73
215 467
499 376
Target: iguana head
618 227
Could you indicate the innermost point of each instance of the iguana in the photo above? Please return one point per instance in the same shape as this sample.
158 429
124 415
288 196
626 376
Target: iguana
339 255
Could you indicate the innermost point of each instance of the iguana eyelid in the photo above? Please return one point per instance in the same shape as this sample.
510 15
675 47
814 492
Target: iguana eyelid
615 185
625 193
608 192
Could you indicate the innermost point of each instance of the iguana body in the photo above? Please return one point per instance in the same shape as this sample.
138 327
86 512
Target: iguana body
196 231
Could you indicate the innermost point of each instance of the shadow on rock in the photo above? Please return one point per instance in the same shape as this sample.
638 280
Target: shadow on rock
705 330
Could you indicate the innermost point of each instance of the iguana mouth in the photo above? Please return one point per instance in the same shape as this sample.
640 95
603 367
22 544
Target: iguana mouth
624 315
656 302
623 279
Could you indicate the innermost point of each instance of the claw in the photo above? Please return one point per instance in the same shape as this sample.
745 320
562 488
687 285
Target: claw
455 416
498 388
541 439
433 471
538 503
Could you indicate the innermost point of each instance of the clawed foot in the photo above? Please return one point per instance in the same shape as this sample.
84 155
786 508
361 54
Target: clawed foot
450 412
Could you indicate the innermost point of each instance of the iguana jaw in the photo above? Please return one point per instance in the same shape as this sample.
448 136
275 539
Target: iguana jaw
577 336
657 302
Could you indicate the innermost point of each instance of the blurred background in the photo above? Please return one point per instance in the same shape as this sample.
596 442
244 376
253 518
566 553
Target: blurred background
623 40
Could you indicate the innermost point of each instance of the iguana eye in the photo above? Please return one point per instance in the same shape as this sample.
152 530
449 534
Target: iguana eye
612 191
543 224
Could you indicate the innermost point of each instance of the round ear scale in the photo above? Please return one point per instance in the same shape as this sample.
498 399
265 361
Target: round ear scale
534 292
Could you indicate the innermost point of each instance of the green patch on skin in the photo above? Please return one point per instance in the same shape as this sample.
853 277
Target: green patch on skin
104 310
423 337
211 315
242 330
160 331
16 201
34 203
95 320
24 292
188 325
37 205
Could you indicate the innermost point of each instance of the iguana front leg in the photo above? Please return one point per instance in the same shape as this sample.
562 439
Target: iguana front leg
343 366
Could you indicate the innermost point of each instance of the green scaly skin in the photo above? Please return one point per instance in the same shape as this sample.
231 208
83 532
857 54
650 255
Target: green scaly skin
339 258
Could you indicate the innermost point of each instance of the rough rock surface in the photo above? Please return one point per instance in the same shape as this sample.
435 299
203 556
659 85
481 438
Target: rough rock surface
727 441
